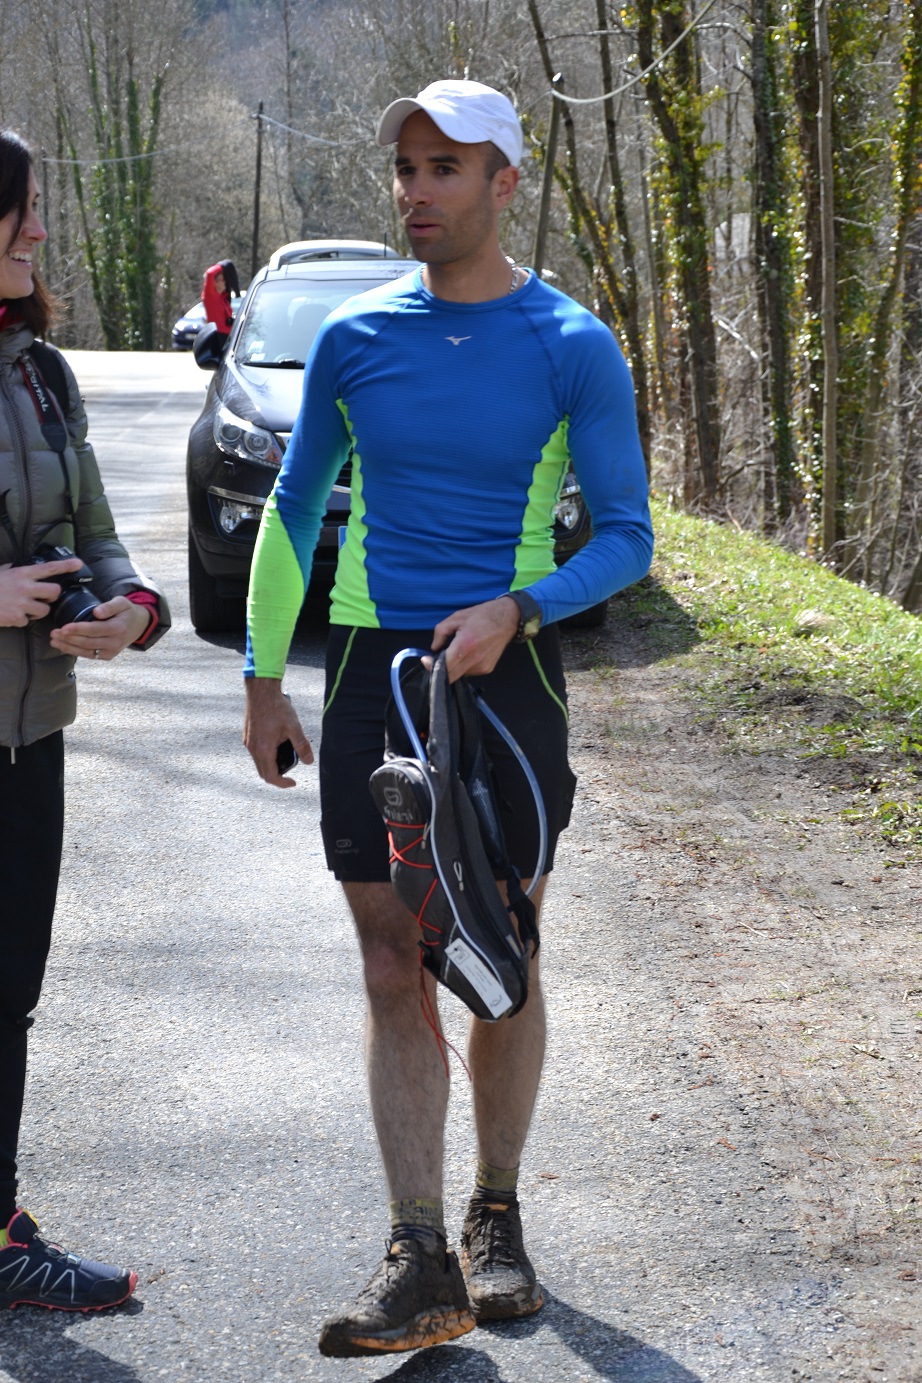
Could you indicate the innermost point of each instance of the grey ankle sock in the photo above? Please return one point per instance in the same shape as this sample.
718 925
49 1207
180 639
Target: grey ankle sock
496 1183
421 1220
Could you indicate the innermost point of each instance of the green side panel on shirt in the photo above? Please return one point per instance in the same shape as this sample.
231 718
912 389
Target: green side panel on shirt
351 602
534 556
277 588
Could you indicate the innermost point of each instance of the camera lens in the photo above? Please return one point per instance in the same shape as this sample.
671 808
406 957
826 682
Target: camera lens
74 606
76 602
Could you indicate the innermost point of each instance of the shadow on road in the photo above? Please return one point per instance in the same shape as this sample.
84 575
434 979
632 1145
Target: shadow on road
35 1348
608 1352
644 625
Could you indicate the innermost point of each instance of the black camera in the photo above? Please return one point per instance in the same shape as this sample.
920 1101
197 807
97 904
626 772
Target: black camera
76 601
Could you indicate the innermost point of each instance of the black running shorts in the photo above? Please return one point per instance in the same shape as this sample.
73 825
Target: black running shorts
527 692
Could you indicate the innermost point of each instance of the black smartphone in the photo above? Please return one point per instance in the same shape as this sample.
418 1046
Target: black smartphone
285 757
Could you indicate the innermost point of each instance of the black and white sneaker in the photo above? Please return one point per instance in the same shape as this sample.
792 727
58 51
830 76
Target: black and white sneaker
33 1273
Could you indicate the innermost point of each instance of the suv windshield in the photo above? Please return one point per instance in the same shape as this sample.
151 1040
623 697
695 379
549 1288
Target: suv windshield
283 319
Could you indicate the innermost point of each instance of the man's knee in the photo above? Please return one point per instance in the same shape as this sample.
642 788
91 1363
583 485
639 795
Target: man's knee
391 976
389 940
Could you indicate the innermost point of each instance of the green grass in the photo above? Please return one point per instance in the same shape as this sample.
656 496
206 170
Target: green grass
726 604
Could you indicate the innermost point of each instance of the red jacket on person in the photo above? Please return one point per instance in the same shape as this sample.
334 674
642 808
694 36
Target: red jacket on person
217 305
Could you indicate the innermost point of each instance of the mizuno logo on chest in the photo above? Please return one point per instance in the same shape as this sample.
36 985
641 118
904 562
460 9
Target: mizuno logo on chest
456 340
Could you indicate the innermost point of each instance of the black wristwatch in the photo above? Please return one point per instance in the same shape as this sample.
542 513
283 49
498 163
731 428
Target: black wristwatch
529 615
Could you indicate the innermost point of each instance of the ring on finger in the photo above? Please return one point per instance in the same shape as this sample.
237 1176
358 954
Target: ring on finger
95 652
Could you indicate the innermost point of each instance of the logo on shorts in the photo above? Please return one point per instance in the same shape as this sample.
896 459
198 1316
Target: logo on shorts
343 845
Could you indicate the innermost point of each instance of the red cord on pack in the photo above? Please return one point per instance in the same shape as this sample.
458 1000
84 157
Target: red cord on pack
426 1004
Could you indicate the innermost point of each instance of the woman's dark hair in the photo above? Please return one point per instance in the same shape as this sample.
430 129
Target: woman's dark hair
231 281
38 310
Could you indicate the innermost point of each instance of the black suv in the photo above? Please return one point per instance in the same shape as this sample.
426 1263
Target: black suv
237 443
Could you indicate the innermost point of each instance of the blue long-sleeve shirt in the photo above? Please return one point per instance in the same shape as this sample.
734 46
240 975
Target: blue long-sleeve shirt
463 420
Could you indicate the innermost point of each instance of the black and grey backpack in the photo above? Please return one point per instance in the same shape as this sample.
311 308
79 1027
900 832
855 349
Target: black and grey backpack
446 838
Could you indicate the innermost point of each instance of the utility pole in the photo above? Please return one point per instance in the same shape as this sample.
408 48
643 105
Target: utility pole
254 261
544 206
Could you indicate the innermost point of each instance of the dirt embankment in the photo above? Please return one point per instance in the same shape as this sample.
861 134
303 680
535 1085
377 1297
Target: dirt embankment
799 942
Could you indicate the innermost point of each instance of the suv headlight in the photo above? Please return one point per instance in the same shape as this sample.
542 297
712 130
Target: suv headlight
569 508
239 438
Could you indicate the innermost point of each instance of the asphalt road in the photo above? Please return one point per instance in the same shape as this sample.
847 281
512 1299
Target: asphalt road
196 1106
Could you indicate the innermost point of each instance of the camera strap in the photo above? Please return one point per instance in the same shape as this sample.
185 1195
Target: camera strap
50 418
51 421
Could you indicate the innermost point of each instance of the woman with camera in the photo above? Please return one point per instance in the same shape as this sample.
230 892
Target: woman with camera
68 590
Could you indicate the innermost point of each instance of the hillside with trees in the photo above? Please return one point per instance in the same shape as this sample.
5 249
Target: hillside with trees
735 190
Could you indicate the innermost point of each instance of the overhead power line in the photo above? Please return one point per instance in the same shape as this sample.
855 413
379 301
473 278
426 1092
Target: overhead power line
632 81
196 143
122 158
302 134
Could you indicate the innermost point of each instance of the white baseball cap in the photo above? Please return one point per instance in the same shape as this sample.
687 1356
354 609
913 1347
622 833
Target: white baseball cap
468 112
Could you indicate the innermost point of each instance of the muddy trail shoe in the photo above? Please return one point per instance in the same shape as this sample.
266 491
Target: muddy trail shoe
33 1273
501 1282
413 1300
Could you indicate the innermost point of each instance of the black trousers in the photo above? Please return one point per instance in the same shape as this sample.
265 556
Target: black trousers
31 839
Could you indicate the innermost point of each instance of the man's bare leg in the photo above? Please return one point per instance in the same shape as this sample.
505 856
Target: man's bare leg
506 1059
407 1081
416 1296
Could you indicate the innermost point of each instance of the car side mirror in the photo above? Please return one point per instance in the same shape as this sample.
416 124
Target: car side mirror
208 347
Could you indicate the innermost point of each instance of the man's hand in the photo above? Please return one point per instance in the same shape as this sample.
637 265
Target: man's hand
478 637
115 624
27 592
270 720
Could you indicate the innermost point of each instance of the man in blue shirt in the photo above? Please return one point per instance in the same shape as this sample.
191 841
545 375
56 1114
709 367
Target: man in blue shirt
464 392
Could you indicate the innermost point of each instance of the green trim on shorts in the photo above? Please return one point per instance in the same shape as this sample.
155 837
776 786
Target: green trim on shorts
547 686
340 670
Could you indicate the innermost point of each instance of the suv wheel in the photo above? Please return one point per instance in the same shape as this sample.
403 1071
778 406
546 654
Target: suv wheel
211 613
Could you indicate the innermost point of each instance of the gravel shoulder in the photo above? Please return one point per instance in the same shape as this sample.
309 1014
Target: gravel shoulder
787 946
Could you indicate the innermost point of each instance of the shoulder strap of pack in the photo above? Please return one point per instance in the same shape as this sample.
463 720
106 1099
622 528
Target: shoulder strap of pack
470 761
49 364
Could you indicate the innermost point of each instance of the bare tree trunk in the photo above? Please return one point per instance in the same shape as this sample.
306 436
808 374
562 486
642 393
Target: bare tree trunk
631 324
621 294
830 340
662 384
773 270
294 160
675 97
804 68
908 184
912 596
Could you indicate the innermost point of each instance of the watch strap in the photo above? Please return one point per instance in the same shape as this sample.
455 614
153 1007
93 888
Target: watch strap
529 615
